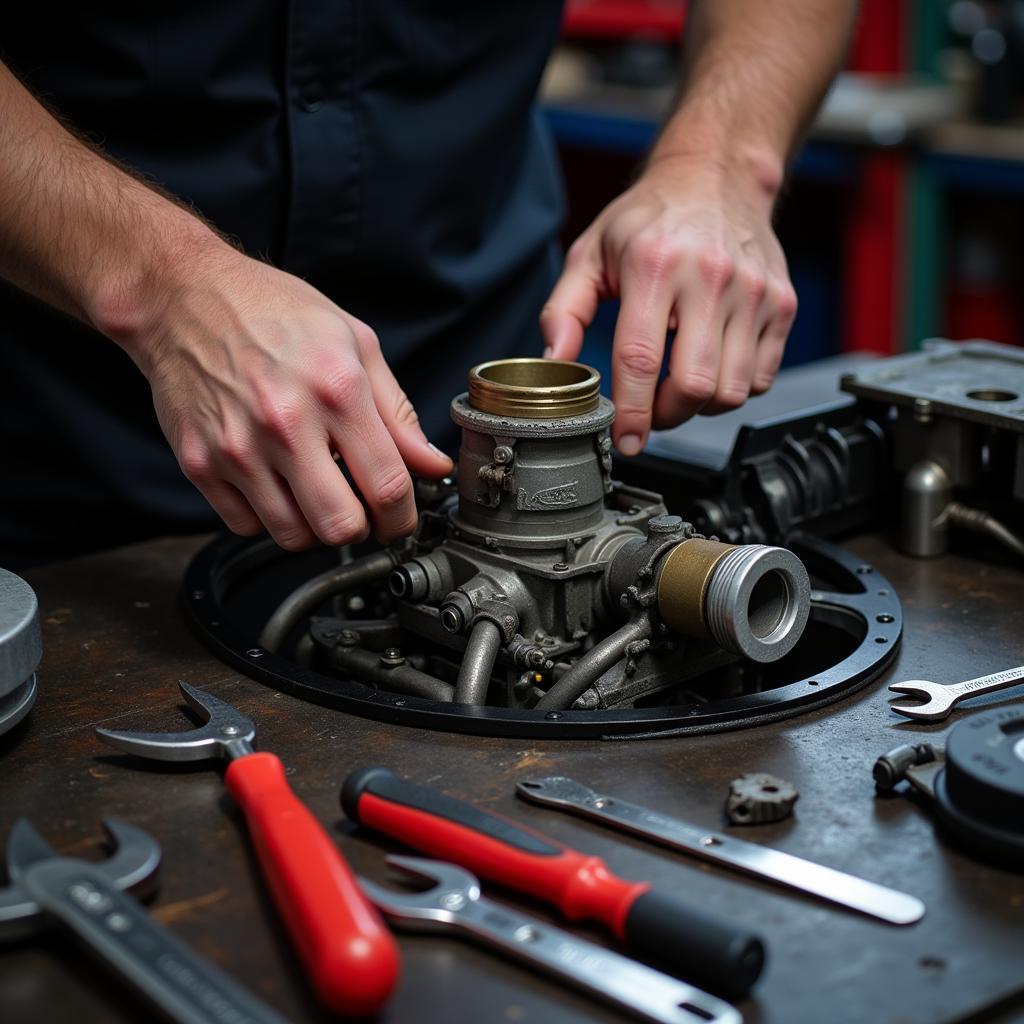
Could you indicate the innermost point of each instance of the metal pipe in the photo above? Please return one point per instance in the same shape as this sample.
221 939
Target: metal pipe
478 663
982 522
367 667
594 664
314 592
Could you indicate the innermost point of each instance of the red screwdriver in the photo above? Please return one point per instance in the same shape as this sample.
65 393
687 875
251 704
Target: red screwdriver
705 950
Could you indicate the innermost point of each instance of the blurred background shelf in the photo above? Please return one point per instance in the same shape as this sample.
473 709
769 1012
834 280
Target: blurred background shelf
904 208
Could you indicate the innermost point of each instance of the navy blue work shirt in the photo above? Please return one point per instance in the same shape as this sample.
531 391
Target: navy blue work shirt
387 151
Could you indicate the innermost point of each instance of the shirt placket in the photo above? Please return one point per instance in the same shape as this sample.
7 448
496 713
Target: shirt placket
323 131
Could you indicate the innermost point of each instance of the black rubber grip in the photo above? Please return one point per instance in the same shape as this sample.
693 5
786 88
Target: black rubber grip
693 945
382 783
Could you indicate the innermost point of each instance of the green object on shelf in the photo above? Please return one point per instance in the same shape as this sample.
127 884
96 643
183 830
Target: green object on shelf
925 230
929 33
924 255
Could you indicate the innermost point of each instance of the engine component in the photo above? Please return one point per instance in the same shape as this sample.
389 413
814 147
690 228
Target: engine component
802 457
545 562
975 785
20 649
957 428
758 798
539 594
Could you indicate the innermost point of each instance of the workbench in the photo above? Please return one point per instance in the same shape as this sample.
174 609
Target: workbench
115 644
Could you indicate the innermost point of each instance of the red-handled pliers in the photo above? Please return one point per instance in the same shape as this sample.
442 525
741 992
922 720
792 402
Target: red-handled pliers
349 952
715 954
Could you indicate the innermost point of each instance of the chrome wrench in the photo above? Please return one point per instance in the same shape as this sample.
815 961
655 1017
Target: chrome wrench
90 900
772 865
454 903
939 699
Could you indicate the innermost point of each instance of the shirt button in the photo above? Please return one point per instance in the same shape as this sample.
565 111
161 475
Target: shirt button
310 96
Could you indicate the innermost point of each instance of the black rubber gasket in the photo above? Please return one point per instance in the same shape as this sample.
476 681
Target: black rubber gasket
866 608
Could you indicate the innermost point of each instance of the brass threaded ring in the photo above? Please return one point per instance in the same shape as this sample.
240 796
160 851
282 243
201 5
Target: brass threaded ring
541 389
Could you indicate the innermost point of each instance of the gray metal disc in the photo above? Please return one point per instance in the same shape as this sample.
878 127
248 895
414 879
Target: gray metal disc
16 705
21 646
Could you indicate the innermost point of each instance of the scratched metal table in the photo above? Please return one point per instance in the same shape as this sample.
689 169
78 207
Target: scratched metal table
115 644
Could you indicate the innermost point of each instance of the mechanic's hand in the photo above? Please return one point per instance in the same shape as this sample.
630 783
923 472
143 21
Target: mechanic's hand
688 248
257 380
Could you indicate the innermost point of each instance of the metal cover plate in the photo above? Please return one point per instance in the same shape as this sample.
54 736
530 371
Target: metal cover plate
978 381
21 645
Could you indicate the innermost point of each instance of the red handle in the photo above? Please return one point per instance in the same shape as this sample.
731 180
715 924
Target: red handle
348 950
490 846
694 944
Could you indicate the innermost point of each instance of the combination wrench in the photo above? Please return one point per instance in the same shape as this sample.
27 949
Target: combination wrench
454 903
90 900
940 699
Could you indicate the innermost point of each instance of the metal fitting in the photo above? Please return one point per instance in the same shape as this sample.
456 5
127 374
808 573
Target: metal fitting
539 389
751 599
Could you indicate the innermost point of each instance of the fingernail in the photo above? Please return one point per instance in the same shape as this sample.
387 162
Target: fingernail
630 444
547 351
437 451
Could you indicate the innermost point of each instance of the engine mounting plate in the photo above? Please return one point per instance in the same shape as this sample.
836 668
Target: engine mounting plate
233 583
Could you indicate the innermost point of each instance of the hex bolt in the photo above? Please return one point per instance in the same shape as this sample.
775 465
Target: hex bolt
348 637
451 618
561 567
502 454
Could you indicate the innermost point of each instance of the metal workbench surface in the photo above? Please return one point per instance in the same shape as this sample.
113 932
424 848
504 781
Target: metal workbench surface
115 645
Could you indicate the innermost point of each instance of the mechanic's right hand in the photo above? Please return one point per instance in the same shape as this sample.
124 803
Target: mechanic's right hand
258 379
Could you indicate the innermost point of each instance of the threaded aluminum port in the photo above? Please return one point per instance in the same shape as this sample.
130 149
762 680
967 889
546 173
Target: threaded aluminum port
757 601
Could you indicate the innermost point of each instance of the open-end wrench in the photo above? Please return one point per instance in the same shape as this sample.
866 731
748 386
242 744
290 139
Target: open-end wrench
709 950
91 901
939 699
760 861
349 952
454 903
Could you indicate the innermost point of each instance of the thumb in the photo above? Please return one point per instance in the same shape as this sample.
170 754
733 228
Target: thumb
572 303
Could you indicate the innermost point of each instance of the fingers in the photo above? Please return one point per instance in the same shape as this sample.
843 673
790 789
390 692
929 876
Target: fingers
245 493
702 310
361 438
573 301
397 411
647 275
227 500
734 322
772 341
324 497
739 342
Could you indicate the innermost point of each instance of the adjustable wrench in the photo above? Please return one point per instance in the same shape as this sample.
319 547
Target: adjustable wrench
91 901
349 953
939 699
454 903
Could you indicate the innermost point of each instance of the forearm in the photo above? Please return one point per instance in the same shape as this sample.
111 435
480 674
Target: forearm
79 232
753 76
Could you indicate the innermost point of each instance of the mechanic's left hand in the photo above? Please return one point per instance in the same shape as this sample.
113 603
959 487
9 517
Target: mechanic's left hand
690 247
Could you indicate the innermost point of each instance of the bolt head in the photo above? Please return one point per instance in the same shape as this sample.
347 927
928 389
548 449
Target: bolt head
665 524
561 567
